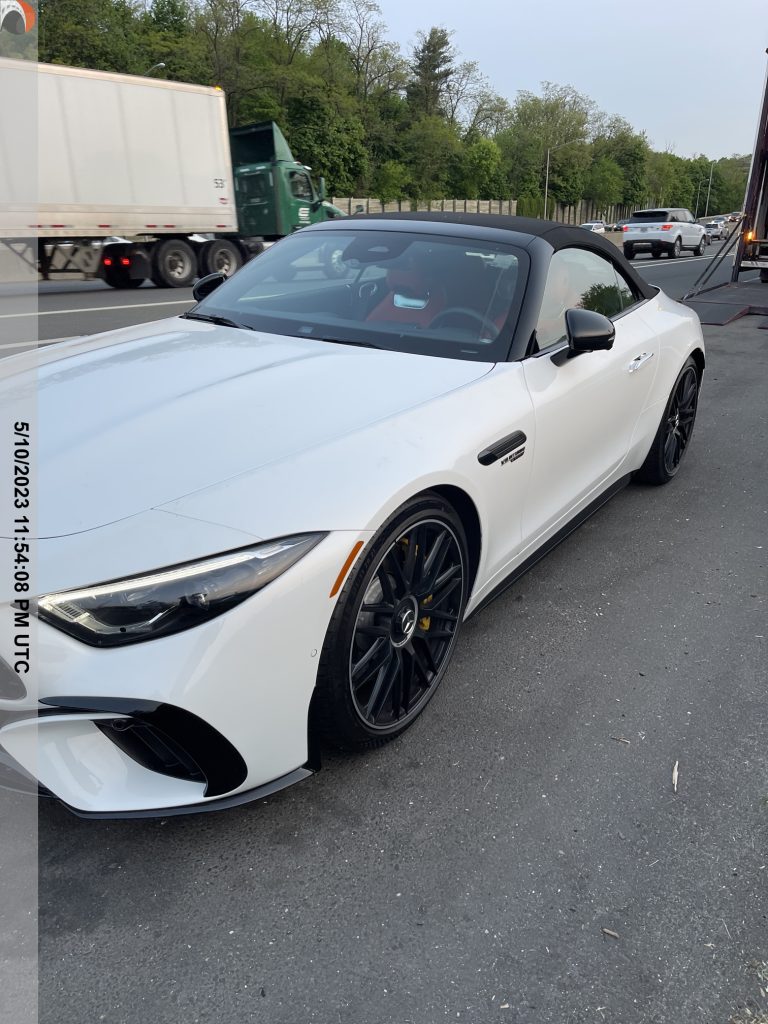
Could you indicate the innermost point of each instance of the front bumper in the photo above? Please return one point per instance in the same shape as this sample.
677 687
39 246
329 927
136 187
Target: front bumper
202 719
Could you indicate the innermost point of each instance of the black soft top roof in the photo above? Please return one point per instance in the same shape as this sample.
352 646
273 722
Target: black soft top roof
559 236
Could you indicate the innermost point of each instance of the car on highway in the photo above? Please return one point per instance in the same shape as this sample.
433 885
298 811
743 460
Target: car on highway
716 229
597 226
262 524
660 231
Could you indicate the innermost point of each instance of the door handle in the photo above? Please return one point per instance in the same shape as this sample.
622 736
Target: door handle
639 361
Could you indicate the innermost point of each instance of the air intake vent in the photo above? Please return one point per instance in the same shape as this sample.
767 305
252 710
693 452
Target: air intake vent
152 748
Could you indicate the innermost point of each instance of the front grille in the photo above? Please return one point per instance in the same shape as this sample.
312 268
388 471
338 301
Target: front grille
11 686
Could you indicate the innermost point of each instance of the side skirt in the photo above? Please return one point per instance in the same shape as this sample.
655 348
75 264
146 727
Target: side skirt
554 540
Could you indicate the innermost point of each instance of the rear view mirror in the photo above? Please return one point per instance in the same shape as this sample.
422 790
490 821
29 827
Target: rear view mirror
588 331
208 284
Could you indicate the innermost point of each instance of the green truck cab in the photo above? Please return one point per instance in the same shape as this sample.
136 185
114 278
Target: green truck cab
274 193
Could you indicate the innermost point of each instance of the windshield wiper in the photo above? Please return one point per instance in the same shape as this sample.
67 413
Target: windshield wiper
342 341
220 321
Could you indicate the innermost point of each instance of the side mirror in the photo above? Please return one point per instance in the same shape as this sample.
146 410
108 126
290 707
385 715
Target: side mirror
208 284
321 187
588 331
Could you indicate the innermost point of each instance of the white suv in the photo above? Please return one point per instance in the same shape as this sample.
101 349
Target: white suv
656 231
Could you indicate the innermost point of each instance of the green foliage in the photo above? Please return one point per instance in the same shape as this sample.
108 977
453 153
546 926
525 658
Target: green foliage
432 69
391 182
425 125
605 182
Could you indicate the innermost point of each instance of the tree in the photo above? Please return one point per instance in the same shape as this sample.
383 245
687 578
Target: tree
432 67
391 181
605 182
478 171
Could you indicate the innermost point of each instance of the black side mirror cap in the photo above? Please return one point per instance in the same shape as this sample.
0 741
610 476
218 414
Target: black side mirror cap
208 284
587 332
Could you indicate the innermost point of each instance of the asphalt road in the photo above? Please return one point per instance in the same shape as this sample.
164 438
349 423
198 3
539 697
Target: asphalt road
71 308
519 855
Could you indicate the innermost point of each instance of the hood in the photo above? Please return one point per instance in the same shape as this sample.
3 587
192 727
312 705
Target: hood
137 418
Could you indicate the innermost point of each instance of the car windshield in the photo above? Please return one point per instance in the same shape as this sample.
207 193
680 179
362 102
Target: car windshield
418 292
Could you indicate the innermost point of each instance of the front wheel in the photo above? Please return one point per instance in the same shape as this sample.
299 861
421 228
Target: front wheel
674 434
394 628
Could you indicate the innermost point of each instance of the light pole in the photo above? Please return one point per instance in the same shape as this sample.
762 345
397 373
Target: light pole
698 193
155 67
709 187
552 149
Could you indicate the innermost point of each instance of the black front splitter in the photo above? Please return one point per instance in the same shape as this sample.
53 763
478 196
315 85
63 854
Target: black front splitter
219 804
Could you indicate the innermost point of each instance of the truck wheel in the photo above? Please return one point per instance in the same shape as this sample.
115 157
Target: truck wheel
220 256
173 264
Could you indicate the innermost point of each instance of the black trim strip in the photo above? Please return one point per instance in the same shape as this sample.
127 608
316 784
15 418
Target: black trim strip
501 447
553 541
222 804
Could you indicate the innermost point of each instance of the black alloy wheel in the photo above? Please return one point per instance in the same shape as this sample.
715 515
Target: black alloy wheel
395 626
674 434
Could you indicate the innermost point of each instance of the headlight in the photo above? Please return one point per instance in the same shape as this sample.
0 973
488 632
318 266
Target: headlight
171 600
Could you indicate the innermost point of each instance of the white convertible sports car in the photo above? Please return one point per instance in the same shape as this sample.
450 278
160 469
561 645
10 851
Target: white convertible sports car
262 524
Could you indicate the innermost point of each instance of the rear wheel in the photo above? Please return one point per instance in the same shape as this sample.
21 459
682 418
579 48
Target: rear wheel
173 264
395 625
629 252
220 256
675 430
764 276
702 247
674 252
656 255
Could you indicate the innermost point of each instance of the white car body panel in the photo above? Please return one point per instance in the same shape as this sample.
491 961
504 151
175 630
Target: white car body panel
250 436
194 418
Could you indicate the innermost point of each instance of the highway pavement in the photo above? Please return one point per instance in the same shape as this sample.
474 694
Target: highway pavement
520 855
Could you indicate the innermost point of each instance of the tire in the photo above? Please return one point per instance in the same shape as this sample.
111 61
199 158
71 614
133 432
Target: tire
702 247
674 252
764 276
219 256
656 255
628 252
173 264
674 434
382 663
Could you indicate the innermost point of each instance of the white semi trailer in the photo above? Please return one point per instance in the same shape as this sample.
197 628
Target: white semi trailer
136 179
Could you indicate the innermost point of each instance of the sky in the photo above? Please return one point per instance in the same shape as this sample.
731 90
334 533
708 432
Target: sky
690 73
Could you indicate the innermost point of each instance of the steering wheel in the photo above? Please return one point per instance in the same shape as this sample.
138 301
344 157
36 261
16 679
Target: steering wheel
470 314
